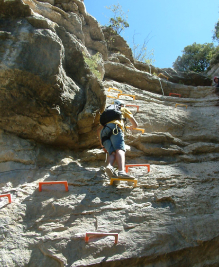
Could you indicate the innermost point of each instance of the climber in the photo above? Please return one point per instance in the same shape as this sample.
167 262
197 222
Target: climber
216 80
111 138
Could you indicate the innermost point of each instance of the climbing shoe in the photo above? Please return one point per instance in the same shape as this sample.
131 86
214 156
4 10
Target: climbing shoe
124 175
110 171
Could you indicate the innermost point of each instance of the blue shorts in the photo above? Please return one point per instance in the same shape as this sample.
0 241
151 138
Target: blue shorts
112 142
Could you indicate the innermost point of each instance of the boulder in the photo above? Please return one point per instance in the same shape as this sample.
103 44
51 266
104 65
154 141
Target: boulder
145 67
47 90
186 78
116 43
214 71
14 9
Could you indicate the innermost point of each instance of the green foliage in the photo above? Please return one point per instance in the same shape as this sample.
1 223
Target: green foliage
119 20
141 53
93 63
196 57
216 32
117 24
215 59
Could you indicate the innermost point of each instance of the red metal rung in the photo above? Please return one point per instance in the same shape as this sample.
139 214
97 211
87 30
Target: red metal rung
133 106
179 95
8 196
53 182
136 165
87 236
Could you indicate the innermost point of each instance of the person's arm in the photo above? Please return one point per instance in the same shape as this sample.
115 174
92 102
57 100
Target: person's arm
133 122
127 114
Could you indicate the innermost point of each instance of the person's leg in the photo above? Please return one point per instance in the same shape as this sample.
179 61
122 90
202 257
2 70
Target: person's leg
111 159
120 159
105 135
118 144
119 147
109 168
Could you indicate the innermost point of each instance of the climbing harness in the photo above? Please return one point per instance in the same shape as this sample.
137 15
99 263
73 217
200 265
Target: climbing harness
114 131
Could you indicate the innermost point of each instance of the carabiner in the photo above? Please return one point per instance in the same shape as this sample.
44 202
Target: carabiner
115 130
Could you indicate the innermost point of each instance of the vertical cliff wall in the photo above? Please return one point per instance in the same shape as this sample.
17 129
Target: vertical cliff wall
55 75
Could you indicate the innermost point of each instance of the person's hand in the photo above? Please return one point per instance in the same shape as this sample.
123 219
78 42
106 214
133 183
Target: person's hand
104 149
131 127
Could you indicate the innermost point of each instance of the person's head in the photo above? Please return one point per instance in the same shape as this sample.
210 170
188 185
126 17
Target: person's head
216 79
119 103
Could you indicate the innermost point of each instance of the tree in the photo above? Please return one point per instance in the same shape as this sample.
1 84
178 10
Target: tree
119 21
216 32
215 37
196 57
141 53
117 24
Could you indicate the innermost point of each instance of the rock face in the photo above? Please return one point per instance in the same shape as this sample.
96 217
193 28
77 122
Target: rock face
186 78
116 44
214 71
45 81
50 100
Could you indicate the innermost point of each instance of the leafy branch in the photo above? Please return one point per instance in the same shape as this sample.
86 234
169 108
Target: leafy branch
141 53
119 20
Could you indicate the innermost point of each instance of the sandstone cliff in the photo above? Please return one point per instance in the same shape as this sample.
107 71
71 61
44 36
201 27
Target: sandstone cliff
55 71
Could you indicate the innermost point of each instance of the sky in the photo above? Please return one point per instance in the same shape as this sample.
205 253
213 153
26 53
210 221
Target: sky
168 25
